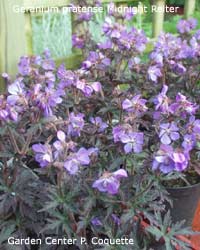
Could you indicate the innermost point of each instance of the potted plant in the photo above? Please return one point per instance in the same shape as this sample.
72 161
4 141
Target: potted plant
173 68
85 152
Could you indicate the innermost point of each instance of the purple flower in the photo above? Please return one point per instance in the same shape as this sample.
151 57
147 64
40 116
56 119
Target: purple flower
24 67
96 59
133 62
110 182
17 93
3 114
50 77
110 29
47 99
133 39
5 76
162 101
97 121
197 35
173 50
66 77
116 219
180 160
183 106
154 73
84 87
93 151
179 68
76 160
185 26
137 39
77 41
13 113
96 86
124 41
136 104
111 7
48 64
3 109
85 16
193 125
117 132
88 88
169 132
157 58
60 143
189 142
105 45
128 15
43 154
168 160
194 43
163 159
96 221
47 53
76 124
133 142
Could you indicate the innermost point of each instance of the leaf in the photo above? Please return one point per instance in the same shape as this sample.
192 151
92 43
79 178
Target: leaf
55 224
155 231
6 155
128 216
168 231
6 232
116 163
106 110
49 206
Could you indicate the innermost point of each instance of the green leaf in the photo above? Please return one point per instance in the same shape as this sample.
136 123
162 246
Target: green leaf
6 232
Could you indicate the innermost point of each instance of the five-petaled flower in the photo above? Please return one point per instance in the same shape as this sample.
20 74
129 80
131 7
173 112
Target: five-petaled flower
162 101
76 160
43 154
110 182
97 121
169 132
154 73
133 142
136 104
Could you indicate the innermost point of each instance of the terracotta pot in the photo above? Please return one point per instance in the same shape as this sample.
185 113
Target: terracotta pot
185 201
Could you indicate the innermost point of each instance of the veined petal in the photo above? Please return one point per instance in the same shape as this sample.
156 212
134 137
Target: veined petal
61 135
128 148
165 139
174 136
126 104
120 173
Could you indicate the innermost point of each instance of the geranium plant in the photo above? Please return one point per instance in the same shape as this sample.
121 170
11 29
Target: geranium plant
88 152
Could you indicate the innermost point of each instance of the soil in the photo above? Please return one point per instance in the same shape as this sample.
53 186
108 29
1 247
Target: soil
191 178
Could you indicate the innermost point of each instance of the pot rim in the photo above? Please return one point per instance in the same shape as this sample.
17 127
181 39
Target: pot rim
183 188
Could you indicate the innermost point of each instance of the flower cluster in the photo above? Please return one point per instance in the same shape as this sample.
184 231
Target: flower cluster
185 26
124 39
168 160
171 52
180 136
96 60
63 152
